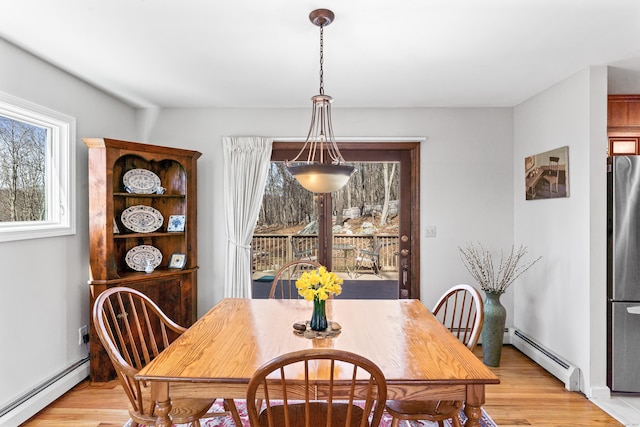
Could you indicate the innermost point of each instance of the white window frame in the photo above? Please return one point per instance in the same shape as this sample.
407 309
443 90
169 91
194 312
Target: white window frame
60 179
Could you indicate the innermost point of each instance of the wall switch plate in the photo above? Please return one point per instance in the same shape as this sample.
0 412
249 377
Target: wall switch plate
430 231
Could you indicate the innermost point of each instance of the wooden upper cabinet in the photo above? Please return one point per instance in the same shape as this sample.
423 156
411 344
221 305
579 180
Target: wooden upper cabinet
623 124
623 110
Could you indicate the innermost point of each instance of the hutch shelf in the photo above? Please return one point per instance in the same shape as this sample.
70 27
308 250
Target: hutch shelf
173 289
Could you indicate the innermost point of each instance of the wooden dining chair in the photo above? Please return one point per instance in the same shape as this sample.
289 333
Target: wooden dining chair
352 395
284 282
133 331
552 175
461 310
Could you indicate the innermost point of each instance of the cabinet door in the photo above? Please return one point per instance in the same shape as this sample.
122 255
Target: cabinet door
165 293
620 146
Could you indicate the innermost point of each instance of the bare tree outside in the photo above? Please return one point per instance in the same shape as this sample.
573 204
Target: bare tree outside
285 203
22 171
364 212
371 190
388 182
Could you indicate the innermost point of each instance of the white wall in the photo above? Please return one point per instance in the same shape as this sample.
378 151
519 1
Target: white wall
43 283
622 81
561 302
466 176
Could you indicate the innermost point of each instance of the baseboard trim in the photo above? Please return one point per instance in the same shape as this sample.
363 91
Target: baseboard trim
562 369
599 393
26 406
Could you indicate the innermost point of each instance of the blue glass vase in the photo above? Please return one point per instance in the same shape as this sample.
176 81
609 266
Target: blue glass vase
319 316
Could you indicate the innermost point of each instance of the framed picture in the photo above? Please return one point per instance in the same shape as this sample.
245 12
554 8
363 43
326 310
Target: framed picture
177 260
176 223
546 175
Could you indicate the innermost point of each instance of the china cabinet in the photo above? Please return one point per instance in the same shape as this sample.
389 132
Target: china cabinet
134 190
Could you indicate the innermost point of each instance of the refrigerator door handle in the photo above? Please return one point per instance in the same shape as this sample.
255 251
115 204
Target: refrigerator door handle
634 309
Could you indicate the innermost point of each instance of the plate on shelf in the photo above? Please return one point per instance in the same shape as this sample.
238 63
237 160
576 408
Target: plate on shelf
140 256
141 181
141 219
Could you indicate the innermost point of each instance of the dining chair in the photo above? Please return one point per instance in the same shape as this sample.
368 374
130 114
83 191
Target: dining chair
352 395
284 282
552 176
302 254
461 310
133 331
369 260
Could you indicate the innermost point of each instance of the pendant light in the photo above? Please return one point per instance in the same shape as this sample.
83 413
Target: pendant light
319 167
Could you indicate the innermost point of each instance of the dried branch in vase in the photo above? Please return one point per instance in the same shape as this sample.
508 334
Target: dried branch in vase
479 263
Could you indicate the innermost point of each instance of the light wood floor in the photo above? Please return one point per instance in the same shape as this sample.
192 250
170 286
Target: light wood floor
526 396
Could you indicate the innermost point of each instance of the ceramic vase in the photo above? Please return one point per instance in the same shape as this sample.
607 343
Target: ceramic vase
495 316
148 268
319 316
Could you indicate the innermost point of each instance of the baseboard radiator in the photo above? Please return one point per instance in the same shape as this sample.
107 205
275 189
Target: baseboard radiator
554 364
30 403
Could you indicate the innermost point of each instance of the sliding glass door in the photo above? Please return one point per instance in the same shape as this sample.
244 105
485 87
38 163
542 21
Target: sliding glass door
365 232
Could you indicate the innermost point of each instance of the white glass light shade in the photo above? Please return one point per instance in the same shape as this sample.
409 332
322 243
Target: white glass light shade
321 178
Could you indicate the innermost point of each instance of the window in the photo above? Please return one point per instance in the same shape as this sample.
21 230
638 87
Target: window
37 164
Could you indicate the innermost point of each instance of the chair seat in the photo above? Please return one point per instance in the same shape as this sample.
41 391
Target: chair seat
437 410
318 413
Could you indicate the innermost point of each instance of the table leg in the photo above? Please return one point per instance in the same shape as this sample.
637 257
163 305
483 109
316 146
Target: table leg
473 405
160 394
230 405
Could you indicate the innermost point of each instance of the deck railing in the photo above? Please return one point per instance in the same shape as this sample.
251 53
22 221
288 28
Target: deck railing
272 251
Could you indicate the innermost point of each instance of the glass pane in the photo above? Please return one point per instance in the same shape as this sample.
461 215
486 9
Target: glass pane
365 229
287 227
22 171
365 226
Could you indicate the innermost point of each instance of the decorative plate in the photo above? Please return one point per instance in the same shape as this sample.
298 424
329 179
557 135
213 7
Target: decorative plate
141 219
140 256
141 181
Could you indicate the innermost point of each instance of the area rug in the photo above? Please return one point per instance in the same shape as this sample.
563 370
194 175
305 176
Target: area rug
485 420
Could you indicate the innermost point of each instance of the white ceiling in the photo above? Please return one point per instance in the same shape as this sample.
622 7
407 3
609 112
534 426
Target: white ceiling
378 53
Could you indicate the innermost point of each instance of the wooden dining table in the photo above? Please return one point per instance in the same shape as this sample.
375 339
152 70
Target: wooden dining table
419 357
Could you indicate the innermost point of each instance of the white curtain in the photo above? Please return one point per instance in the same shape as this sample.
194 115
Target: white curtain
246 164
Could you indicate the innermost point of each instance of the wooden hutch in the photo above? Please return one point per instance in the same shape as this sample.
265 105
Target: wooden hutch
110 241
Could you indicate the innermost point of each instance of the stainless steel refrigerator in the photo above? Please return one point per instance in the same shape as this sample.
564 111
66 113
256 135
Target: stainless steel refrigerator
623 273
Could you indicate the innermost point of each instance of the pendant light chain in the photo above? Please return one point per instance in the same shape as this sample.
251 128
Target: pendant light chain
321 59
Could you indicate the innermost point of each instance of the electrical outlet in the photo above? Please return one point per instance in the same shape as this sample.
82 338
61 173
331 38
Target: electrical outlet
83 332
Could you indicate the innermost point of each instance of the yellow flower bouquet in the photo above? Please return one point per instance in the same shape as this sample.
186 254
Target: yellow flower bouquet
316 286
